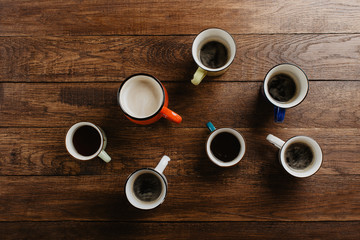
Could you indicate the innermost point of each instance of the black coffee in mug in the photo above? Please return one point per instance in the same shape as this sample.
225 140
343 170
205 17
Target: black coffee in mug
299 156
282 87
225 146
86 140
147 187
213 54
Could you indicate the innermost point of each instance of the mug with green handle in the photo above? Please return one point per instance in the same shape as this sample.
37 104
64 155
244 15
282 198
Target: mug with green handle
86 141
213 51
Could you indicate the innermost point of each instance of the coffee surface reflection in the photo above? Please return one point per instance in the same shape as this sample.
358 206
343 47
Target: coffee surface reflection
214 54
147 187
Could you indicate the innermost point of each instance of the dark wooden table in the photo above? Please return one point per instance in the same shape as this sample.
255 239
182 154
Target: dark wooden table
62 62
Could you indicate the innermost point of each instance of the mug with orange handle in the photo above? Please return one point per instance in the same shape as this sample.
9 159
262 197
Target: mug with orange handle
144 100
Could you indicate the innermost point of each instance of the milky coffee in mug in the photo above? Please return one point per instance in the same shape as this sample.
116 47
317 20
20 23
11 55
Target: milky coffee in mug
150 101
144 100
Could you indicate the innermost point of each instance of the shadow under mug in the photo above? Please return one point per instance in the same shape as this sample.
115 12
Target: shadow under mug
302 87
99 152
144 100
314 165
147 187
215 132
206 36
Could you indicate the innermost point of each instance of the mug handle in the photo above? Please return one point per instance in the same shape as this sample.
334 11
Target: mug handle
275 141
104 156
279 114
210 126
172 116
162 164
198 76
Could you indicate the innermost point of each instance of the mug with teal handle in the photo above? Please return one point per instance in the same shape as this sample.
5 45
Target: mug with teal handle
232 140
206 36
301 88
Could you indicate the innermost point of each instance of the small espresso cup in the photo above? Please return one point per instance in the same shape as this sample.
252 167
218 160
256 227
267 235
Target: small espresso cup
300 156
213 51
225 146
285 86
146 188
85 141
144 100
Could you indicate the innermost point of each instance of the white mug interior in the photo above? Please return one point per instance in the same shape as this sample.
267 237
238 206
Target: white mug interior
213 34
138 203
300 79
217 161
314 165
141 96
70 145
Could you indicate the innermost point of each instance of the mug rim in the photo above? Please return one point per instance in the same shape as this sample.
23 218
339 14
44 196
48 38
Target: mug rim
163 178
199 63
217 161
292 64
292 172
70 141
129 78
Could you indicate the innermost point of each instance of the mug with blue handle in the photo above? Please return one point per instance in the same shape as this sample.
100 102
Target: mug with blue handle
301 88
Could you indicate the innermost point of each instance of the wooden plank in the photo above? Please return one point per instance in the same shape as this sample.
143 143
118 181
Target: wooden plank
19 17
109 59
180 230
217 197
232 104
41 151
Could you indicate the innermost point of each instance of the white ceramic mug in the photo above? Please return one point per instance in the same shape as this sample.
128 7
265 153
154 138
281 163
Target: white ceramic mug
214 133
206 36
302 87
157 173
98 152
316 162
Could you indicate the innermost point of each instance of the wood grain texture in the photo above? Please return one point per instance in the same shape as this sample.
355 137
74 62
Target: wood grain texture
62 62
72 17
178 230
109 59
230 104
219 197
41 151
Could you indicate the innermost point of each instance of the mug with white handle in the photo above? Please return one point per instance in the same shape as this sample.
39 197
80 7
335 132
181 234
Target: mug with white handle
300 156
146 188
